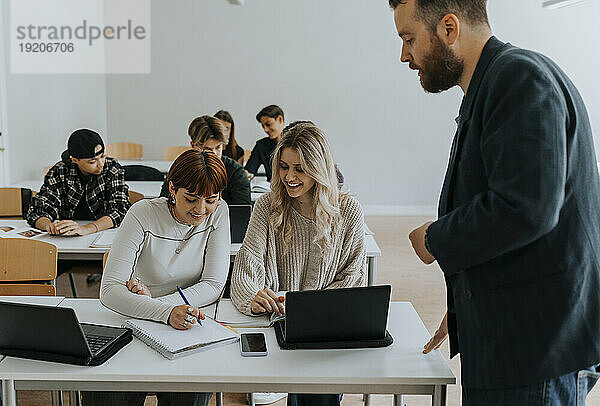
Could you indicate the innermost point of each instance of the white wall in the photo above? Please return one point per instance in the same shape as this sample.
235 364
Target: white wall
43 110
334 62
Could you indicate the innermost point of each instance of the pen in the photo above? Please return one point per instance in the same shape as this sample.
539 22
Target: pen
186 302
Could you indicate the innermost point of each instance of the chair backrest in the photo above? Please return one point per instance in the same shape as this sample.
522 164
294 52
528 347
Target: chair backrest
46 169
142 173
247 154
124 150
25 264
135 197
14 202
170 153
104 258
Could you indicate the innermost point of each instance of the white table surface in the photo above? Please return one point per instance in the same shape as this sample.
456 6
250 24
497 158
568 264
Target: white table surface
81 244
37 300
399 368
78 248
149 189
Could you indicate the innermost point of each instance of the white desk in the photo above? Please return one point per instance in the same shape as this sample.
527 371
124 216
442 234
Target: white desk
36 300
78 247
398 369
149 189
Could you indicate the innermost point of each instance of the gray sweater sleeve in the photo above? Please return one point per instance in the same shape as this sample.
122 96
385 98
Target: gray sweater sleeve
249 273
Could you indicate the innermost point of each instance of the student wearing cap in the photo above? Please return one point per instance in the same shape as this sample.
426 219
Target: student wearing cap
84 185
210 134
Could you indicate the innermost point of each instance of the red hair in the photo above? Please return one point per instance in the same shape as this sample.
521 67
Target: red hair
200 172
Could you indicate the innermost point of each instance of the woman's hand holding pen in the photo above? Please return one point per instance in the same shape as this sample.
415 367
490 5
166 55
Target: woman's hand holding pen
267 301
136 286
184 317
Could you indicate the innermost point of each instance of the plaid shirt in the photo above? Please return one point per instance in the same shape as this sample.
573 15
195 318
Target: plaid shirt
106 194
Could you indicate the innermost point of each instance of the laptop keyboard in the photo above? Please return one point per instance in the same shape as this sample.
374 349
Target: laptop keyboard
97 342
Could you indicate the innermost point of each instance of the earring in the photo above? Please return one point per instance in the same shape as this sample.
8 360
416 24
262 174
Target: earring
172 198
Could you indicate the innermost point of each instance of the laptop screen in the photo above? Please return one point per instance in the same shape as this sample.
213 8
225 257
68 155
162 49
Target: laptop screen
337 314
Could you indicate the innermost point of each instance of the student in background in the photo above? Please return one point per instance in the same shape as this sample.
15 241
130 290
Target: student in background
272 121
233 150
84 185
304 234
209 134
164 242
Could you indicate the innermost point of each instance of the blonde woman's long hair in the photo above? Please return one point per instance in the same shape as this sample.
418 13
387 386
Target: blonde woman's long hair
317 162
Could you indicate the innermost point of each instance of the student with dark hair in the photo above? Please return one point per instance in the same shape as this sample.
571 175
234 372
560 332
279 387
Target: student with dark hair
209 134
165 242
517 231
272 121
233 150
84 185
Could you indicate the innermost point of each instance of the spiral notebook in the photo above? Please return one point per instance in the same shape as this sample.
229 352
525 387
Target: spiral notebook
172 343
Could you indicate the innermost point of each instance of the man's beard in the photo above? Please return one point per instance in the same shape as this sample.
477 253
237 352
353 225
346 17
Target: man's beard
441 69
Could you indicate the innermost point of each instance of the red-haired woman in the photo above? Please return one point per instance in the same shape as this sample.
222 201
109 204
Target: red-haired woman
165 242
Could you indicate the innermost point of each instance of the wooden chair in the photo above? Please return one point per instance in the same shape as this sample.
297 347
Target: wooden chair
46 169
135 197
27 267
170 153
14 202
124 150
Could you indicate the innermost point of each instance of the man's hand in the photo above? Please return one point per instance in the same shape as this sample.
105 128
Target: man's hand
417 239
70 227
439 337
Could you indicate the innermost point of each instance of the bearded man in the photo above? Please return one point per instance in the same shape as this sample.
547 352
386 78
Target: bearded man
518 229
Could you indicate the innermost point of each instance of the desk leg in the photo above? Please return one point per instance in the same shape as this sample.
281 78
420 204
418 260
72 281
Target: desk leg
439 396
398 400
73 398
371 270
219 398
57 398
9 394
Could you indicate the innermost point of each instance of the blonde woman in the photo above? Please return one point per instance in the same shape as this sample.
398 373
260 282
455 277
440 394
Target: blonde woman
304 234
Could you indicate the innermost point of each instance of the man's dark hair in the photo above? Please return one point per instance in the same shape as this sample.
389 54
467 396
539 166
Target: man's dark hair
432 11
272 111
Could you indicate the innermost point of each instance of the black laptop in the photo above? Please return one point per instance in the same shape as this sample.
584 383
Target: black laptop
50 333
335 318
239 217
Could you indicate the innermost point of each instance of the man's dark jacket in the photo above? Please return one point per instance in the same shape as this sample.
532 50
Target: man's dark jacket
237 190
518 229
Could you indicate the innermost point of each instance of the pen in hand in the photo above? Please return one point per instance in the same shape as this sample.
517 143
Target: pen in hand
186 301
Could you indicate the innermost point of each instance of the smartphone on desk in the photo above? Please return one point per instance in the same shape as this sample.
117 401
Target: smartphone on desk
253 345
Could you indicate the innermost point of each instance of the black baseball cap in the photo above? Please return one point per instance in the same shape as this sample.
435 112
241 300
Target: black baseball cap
83 142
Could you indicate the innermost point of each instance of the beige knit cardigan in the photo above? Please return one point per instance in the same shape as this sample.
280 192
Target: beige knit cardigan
264 261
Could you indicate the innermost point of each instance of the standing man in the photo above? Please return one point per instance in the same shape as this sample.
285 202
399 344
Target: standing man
518 229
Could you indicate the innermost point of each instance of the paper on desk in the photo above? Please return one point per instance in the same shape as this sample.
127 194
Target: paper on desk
20 232
105 238
260 186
